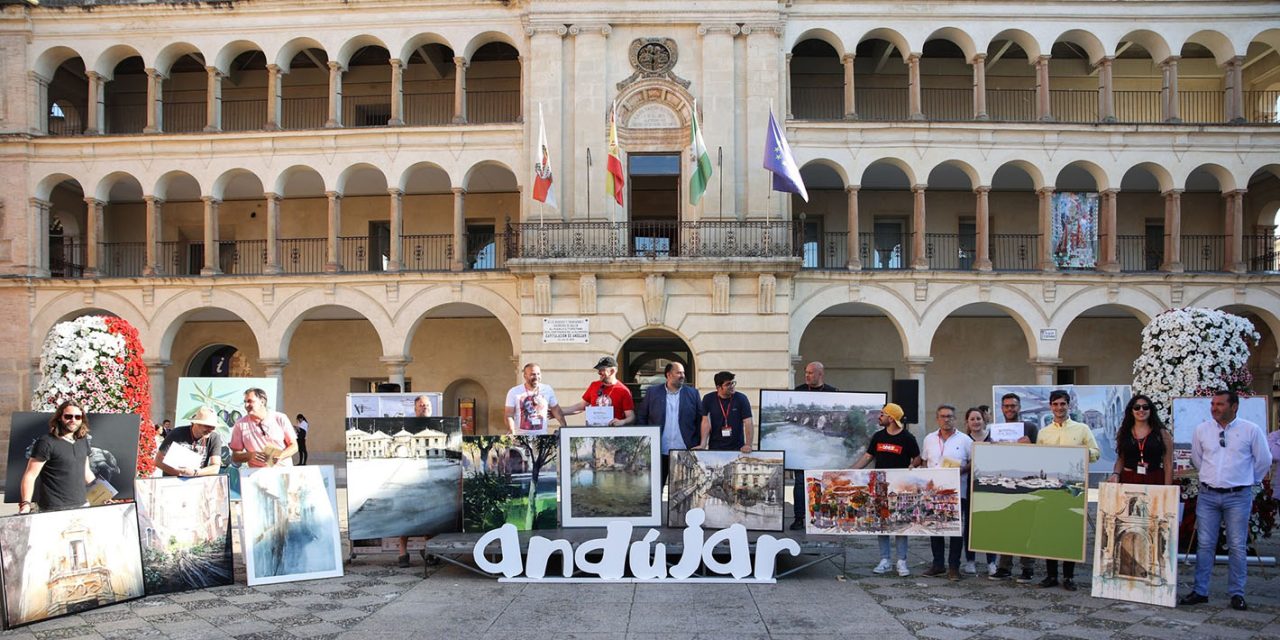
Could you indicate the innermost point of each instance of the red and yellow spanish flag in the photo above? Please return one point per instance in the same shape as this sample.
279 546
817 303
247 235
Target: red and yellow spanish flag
613 179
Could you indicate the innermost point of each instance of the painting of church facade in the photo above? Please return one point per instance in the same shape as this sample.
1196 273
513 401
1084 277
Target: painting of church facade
291 525
185 528
64 562
403 477
1135 555
902 502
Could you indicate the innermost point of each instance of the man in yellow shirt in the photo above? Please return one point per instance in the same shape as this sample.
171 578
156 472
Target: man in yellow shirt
1065 432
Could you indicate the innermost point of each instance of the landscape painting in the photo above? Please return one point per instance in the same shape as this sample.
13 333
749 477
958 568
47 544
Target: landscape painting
1188 413
1029 500
1135 554
900 502
113 449
184 525
730 487
403 477
64 562
290 518
226 397
819 429
1101 407
509 479
610 474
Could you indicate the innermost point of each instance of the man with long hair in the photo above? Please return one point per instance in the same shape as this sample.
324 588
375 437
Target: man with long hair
58 469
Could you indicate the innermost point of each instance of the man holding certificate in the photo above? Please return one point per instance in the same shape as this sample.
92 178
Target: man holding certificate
193 450
607 402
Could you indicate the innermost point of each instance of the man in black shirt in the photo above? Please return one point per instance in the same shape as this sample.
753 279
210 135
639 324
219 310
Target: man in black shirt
726 417
58 468
201 439
815 375
892 447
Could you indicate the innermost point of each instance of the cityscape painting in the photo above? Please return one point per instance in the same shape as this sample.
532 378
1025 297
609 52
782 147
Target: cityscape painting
819 429
610 474
730 487
1188 413
1029 500
1135 554
902 502
1101 407
184 525
403 476
290 525
509 479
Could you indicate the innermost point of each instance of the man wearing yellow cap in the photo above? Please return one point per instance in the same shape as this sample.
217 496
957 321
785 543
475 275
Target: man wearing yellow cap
892 447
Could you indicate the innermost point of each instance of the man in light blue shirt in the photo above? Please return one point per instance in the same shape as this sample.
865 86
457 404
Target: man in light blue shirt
1231 456
676 408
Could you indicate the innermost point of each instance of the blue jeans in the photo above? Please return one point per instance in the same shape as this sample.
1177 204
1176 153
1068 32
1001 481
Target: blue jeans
885 547
1212 508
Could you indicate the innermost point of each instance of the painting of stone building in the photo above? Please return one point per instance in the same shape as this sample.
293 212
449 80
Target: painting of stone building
610 474
62 562
729 486
291 525
403 476
1135 555
184 525
904 502
819 429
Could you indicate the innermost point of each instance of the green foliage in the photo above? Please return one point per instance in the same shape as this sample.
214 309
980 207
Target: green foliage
484 495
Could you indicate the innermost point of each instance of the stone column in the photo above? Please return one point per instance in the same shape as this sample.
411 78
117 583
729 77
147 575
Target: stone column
786 84
154 212
213 109
212 264
1044 108
274 368
1107 229
333 250
546 45
273 234
1234 258
1106 91
38 238
1045 195
397 94
1172 232
590 47
854 250
155 102
275 97
335 95
980 86
94 119
1045 370
719 95
39 105
983 219
913 87
850 97
919 260
460 89
917 366
93 237
1235 90
396 198
459 261
1170 89
395 371
156 373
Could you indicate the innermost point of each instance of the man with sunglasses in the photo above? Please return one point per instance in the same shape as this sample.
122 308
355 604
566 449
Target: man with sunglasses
262 438
58 469
1231 456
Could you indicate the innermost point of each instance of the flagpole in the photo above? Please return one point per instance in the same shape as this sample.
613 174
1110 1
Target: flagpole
720 168
588 184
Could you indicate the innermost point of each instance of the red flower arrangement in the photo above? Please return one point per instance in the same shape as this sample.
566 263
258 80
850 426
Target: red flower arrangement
137 392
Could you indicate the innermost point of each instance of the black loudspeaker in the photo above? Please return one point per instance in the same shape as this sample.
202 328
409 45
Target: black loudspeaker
391 387
906 394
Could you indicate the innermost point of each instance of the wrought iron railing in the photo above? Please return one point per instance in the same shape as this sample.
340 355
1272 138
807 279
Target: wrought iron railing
1203 252
430 252
884 251
1015 251
1135 253
1262 253
66 258
656 239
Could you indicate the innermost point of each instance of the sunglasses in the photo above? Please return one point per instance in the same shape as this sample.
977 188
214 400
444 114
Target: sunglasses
1141 407
73 416
1222 439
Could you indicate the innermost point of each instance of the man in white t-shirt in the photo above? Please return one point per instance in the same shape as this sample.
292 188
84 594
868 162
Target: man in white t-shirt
948 448
530 405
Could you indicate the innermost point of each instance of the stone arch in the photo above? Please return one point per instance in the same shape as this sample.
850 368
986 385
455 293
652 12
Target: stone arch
415 309
1143 304
283 178
294 310
832 165
976 179
429 167
1019 305
824 35
171 53
1100 178
232 50
666 111
1087 41
44 188
1258 300
1267 35
958 37
485 166
1164 179
898 163
109 181
170 316
891 36
884 299
1032 171
71 305
343 184
487 37
50 59
421 40
284 56
1153 42
1024 40
222 182
1217 43
1226 180
169 180
356 43
106 62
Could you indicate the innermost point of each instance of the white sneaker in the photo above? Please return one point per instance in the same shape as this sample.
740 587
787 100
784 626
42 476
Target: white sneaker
991 568
969 568
883 567
902 568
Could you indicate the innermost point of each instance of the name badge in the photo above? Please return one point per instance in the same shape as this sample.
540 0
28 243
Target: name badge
725 433
1142 469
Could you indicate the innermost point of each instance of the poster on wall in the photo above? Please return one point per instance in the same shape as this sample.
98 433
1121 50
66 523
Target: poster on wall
395 405
900 502
113 449
510 479
1188 413
1074 228
610 474
226 397
290 518
1029 500
184 525
819 429
1135 552
730 487
403 476
1101 407
61 562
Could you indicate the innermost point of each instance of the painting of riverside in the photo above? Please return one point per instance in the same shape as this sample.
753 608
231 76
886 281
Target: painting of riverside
612 474
1029 500
904 502
509 479
403 476
819 429
185 528
730 486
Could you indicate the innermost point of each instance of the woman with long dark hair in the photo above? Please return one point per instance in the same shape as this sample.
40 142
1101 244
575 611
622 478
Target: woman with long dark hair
1144 447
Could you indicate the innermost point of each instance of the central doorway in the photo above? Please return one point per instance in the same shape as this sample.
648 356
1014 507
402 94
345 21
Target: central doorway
654 180
645 356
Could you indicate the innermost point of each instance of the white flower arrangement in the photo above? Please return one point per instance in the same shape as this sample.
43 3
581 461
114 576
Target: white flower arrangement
82 360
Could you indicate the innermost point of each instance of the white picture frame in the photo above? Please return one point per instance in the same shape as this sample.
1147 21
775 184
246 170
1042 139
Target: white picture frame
264 486
586 472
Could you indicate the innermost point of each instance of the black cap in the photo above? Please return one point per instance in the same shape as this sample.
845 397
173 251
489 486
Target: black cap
606 361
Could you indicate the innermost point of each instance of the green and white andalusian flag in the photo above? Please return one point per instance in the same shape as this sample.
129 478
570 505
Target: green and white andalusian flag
702 164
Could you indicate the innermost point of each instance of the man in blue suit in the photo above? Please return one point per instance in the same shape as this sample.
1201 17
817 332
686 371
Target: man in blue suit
674 407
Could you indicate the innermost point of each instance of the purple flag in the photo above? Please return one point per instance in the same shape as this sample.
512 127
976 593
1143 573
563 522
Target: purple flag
777 158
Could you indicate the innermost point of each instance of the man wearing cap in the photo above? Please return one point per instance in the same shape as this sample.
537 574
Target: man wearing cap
892 447
200 438
608 392
726 417
815 375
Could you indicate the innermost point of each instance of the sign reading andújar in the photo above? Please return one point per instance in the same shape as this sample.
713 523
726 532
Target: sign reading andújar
646 559
566 330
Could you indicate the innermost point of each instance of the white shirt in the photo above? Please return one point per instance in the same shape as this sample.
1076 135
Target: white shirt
671 436
1243 462
532 408
957 450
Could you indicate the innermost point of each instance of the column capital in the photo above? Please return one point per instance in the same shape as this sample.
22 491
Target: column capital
39 203
1104 61
459 191
591 29
1044 362
1172 193
1109 193
94 202
978 58
763 28
1234 61
848 58
459 61
982 189
557 30
270 195
788 56
913 58
92 75
1235 192
396 63
273 363
395 192
1043 59
154 73
214 71
716 27
275 68
211 200
155 363
37 77
852 188
1171 60
1045 190
395 361
153 199
333 195
918 188
336 66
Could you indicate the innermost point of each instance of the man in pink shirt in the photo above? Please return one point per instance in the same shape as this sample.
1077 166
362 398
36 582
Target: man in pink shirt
263 437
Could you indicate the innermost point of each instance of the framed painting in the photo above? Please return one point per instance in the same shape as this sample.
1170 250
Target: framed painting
1074 230
113 449
184 525
395 405
403 476
1101 407
1136 546
290 519
226 397
730 487
900 502
819 429
1029 500
1188 413
510 479
63 562
610 474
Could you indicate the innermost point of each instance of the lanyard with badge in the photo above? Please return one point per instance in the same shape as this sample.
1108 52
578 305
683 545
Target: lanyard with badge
1142 455
725 430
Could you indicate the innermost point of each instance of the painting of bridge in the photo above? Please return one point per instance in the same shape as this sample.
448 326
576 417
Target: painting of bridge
819 429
